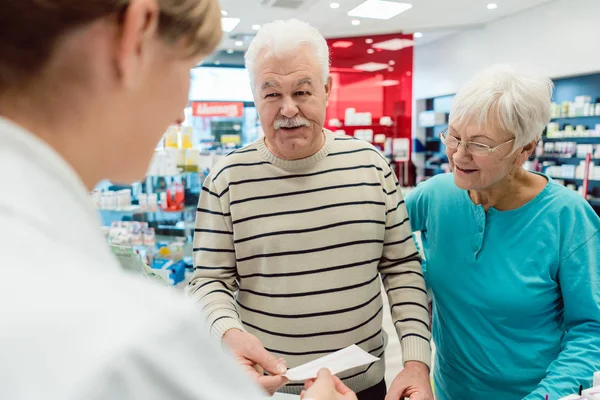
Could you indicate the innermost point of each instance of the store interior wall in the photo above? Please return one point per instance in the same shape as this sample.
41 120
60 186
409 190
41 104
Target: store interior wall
557 39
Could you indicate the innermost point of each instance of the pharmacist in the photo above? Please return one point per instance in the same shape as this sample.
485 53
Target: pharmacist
513 257
86 90
302 224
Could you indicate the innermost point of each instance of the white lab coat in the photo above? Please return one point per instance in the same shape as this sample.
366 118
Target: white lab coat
72 324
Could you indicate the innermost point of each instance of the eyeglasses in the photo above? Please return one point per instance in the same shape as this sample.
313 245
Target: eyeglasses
476 149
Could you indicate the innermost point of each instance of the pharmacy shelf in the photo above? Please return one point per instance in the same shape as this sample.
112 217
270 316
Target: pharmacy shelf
586 117
578 140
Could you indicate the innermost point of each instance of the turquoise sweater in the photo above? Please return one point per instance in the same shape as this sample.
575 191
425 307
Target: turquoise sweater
516 293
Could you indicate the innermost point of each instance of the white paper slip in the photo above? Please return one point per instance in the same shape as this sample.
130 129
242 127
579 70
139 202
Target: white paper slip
340 361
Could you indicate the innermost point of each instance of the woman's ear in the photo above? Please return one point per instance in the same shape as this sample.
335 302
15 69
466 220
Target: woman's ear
525 153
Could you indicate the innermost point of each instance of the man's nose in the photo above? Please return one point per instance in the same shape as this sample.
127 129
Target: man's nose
289 108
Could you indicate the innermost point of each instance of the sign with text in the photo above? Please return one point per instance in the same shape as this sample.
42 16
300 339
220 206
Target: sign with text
209 109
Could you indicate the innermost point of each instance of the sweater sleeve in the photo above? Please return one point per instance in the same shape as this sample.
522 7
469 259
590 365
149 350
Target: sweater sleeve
400 269
214 281
579 279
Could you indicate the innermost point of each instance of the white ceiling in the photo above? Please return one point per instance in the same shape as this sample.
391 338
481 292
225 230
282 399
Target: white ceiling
434 18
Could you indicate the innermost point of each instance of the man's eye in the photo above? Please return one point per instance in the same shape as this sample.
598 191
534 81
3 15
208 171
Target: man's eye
272 95
302 93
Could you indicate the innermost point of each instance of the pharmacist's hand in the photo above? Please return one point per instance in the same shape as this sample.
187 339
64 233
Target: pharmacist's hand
412 382
326 387
253 357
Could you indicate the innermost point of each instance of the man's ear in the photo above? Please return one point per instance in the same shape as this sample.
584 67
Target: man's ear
138 28
328 85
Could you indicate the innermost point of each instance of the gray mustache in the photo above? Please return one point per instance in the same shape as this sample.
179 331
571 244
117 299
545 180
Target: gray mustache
290 122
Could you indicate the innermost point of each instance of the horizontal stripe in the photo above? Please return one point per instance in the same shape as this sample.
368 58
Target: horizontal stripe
406 287
388 175
405 272
399 241
416 335
405 220
314 293
391 193
301 192
293 176
220 318
315 334
401 260
358 151
314 271
413 320
309 353
227 292
203 210
205 189
210 250
345 138
212 281
310 315
316 229
213 268
213 231
410 303
308 251
220 310
242 151
394 209
239 165
309 210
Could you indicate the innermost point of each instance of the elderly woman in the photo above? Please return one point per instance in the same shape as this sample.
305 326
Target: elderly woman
86 90
513 258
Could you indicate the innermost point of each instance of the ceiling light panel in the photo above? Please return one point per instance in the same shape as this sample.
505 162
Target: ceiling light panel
379 9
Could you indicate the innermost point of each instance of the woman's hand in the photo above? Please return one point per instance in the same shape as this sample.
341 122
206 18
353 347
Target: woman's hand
326 387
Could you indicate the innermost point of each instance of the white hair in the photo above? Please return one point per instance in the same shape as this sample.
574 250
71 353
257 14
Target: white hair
502 97
281 38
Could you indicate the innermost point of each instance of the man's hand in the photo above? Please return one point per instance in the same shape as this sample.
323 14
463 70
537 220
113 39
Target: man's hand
326 387
253 357
412 382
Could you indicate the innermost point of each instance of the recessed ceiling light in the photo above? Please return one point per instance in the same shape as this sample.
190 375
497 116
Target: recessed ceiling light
334 5
239 43
355 22
256 27
391 69
342 44
394 44
229 24
392 62
370 67
492 6
418 34
369 41
408 73
229 51
370 51
379 9
217 62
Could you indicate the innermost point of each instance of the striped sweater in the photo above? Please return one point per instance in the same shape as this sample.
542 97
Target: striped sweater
293 251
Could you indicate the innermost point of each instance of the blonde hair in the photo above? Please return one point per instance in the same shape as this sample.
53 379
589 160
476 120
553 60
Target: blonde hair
29 29
502 97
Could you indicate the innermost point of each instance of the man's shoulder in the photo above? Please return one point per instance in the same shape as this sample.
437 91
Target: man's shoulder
359 150
246 156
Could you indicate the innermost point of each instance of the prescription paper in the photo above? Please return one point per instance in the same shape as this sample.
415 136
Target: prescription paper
340 361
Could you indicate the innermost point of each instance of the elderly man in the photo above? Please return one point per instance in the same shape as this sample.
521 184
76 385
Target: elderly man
294 230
